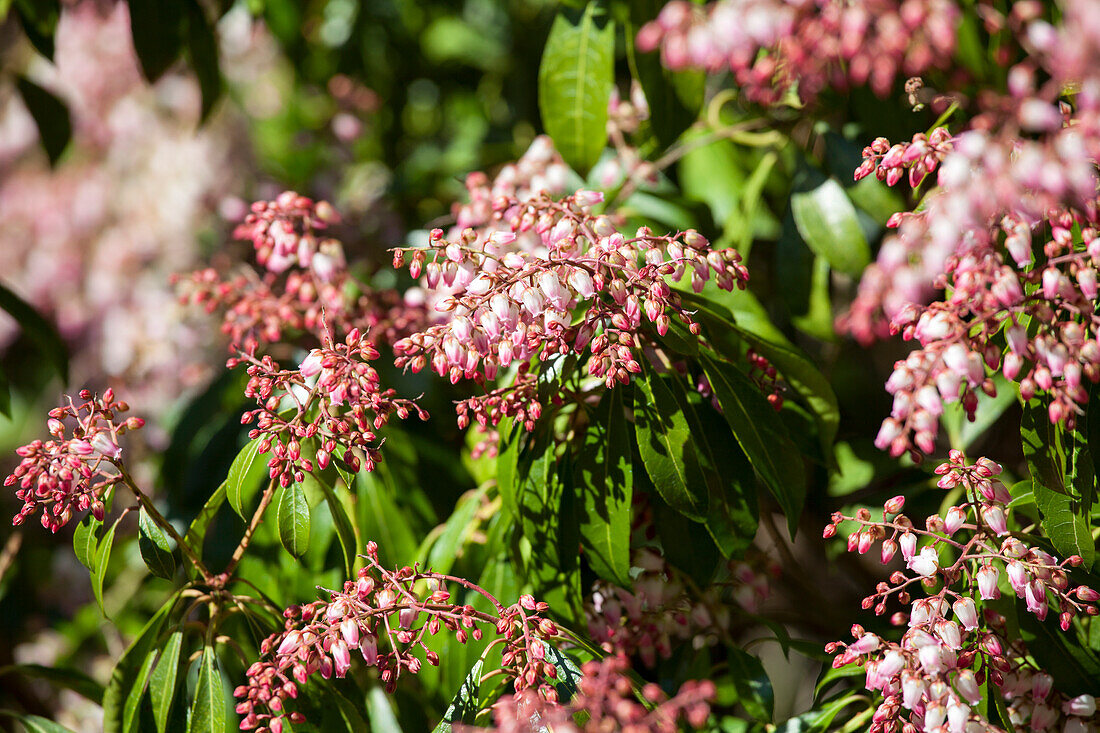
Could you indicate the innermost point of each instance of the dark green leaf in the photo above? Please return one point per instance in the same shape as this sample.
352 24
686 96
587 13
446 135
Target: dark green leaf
155 547
5 394
208 708
828 223
40 331
85 541
246 475
539 492
754 689
69 679
446 548
575 79
761 436
39 19
202 51
162 683
157 29
294 520
687 545
665 446
605 479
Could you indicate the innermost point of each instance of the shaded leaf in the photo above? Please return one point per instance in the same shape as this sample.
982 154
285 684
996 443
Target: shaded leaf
131 673
828 223
36 723
155 547
345 531
156 27
69 679
40 331
39 19
202 52
102 558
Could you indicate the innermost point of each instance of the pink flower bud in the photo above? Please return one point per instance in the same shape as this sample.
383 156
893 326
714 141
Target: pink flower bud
966 613
908 544
967 685
311 365
955 519
1083 706
866 643
895 505
368 646
290 643
994 517
340 657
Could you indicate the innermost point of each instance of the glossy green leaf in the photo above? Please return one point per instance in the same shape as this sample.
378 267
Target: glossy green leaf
575 79
605 479
156 27
69 679
162 682
1051 462
246 475
85 541
38 330
208 708
665 446
754 689
102 559
761 436
827 221
155 547
51 117
294 520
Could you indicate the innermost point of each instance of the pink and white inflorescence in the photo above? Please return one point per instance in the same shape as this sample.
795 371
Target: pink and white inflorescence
954 640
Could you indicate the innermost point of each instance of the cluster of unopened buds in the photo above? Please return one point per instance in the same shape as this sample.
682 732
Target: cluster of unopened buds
770 45
510 299
606 701
952 644
916 159
643 622
65 475
304 282
388 617
334 398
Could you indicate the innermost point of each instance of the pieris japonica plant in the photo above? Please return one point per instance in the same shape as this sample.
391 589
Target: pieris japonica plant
757 392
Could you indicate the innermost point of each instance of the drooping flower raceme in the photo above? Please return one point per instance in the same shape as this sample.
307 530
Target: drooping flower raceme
953 640
389 617
512 290
72 474
333 398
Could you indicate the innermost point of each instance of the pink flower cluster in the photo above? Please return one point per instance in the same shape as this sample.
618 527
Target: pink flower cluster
931 679
773 46
514 291
305 280
333 398
606 701
645 621
388 619
72 474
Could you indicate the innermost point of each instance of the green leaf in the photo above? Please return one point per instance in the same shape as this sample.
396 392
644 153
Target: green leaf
569 674
246 475
761 436
131 673
85 541
5 394
381 520
445 549
202 52
1063 517
196 533
39 19
208 708
345 531
40 331
36 723
538 500
156 27
155 547
51 117
687 545
575 79
464 705
294 520
754 689
381 713
69 679
828 223
162 683
605 479
102 558
665 446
